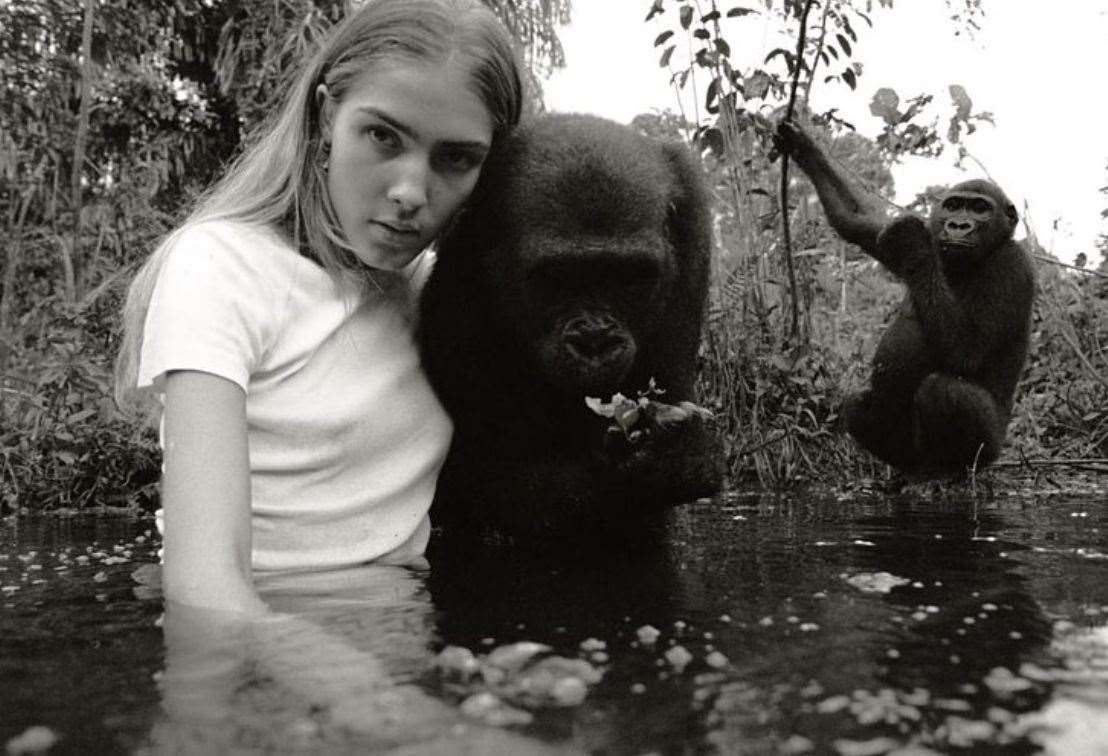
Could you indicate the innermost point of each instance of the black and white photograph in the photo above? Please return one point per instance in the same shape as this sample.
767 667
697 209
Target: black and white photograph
527 377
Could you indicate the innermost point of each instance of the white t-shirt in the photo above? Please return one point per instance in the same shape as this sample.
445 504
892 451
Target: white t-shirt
346 437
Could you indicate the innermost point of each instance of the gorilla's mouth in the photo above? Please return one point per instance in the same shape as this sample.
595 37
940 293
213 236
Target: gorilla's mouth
597 349
594 365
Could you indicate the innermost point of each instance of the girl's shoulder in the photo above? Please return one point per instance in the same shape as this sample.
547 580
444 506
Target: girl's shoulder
229 247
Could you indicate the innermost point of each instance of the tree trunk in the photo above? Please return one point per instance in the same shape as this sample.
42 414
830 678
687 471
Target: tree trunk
70 251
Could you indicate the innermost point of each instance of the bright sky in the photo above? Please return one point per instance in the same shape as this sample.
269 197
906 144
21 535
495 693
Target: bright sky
1037 67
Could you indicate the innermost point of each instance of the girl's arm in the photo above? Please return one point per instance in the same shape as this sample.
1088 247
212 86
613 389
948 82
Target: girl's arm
206 494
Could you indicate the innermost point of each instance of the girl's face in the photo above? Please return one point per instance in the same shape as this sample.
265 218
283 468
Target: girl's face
407 143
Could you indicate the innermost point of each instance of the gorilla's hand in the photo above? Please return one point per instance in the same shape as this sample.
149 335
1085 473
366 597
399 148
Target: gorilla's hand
669 455
793 141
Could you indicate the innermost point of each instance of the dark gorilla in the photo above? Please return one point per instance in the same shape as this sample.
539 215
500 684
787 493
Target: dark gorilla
945 371
579 268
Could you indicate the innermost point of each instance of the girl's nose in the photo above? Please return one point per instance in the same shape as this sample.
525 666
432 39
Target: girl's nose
408 188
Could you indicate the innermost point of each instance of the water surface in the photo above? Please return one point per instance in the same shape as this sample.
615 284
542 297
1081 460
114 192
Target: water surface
783 626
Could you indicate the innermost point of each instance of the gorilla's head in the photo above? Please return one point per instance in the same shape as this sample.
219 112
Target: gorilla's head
584 225
971 220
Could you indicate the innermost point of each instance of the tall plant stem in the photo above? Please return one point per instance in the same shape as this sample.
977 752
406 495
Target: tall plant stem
70 253
798 64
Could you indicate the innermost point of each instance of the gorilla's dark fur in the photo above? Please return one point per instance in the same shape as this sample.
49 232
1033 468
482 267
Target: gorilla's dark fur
947 367
579 268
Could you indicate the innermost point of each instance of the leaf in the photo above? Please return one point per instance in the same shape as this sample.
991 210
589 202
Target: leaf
710 96
709 17
707 58
740 12
702 34
781 363
885 105
723 47
655 9
686 16
844 43
962 101
850 79
756 85
597 406
774 53
81 416
626 416
954 132
663 37
666 55
712 139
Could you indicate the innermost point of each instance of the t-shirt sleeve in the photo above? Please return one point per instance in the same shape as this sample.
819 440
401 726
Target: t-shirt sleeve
211 309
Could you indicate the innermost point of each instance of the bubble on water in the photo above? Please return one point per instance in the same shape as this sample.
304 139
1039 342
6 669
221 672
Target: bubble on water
872 747
490 710
876 582
797 744
37 739
648 634
963 733
679 658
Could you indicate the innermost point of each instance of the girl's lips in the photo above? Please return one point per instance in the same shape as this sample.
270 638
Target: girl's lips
398 228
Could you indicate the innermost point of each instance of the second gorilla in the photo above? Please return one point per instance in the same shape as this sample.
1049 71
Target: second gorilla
579 269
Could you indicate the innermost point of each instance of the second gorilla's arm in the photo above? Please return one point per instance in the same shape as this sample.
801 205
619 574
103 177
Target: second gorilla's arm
853 215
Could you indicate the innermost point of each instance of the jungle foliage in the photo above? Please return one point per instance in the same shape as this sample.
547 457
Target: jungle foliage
114 114
795 312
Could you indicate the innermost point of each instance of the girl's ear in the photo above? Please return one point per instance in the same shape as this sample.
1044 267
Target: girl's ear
325 105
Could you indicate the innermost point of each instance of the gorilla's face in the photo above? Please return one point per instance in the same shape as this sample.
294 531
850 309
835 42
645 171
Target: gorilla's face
587 246
972 220
590 263
592 302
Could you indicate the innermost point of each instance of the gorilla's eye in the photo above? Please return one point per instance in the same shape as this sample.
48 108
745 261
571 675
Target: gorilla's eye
594 270
954 204
980 206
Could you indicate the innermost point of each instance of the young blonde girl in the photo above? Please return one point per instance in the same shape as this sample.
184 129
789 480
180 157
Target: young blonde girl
275 325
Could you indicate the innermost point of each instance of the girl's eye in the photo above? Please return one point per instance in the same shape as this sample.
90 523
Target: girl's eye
383 136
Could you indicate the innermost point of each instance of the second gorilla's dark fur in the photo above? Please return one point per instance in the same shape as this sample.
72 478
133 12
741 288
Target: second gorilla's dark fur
579 268
946 369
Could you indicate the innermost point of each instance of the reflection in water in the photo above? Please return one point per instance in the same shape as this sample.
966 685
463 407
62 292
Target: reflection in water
332 669
565 596
782 626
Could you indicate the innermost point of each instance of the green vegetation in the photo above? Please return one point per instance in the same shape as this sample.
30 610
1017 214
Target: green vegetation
795 313
114 113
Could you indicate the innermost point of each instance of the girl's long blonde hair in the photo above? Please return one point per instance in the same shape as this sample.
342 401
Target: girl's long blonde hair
279 181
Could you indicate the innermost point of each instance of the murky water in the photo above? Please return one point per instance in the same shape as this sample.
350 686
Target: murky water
784 626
